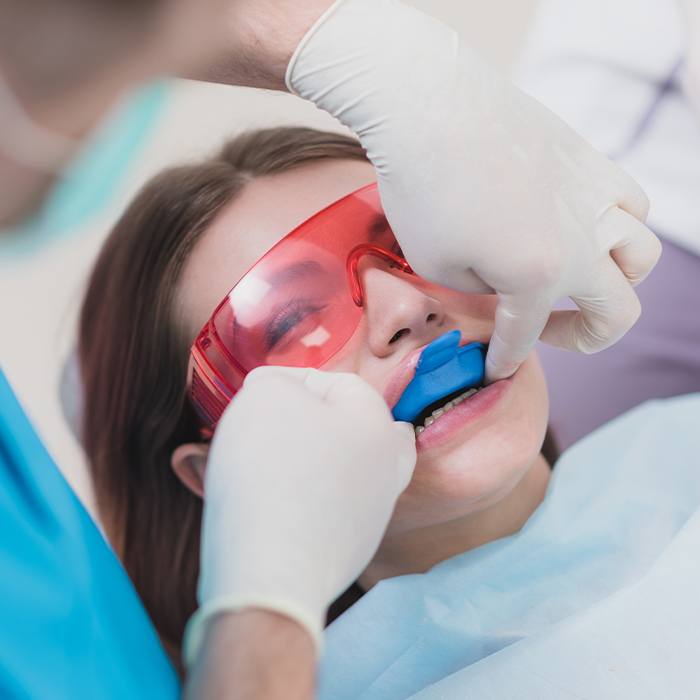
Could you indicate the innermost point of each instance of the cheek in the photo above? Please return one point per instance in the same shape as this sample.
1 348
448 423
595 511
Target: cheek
485 468
356 358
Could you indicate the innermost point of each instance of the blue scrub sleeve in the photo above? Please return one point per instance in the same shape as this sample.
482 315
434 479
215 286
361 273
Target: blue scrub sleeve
71 623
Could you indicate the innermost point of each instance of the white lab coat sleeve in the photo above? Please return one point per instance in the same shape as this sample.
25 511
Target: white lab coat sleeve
614 70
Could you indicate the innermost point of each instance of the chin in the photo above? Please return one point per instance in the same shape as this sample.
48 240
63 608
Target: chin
470 474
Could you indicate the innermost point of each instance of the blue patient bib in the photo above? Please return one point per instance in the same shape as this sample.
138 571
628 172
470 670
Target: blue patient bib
71 623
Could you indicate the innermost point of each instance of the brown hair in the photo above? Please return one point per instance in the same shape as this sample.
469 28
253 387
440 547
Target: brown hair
133 358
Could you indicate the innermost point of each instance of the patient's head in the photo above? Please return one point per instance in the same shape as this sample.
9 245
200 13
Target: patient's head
183 243
460 467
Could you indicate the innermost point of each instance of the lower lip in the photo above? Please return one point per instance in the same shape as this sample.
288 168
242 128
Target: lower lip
467 413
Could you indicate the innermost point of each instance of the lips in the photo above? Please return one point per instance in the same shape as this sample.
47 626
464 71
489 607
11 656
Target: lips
439 388
469 415
402 376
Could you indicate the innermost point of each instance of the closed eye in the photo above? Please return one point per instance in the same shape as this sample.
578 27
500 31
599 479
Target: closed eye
286 319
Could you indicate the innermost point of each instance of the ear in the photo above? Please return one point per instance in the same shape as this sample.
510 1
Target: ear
189 464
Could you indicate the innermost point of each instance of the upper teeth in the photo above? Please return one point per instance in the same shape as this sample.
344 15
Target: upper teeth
444 409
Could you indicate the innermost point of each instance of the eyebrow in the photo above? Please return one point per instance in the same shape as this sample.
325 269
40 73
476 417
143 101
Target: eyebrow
294 272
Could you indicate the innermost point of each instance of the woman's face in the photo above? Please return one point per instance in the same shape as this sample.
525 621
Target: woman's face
470 457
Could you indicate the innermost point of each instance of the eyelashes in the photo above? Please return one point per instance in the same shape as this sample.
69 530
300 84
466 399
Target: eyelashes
286 319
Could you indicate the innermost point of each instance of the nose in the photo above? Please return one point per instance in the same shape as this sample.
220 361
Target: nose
397 310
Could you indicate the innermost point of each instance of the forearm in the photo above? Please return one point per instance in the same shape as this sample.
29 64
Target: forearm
261 39
251 655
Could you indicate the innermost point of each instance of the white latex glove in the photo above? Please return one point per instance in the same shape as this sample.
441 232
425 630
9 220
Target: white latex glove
691 72
485 188
303 475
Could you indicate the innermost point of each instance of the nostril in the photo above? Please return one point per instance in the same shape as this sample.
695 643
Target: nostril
399 334
430 317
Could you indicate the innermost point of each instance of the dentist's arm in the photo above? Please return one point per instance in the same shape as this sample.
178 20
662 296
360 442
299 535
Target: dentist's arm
303 475
261 39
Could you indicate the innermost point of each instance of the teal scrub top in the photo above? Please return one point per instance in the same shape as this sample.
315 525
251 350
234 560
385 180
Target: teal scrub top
71 623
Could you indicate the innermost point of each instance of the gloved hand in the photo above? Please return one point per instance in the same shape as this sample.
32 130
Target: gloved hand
485 188
302 478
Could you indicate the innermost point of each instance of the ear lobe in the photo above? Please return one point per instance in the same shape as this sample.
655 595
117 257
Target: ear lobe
189 464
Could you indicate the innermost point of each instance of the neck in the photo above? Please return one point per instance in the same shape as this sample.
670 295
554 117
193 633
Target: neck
417 551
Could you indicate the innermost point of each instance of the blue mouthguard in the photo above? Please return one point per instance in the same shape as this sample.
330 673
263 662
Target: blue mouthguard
443 368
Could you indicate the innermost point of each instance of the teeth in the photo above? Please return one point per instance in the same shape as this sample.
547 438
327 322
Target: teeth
444 409
465 395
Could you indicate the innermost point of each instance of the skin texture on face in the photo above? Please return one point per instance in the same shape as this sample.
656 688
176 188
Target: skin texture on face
486 476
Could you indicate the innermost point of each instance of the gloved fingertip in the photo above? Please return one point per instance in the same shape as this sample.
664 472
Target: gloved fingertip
406 457
406 429
405 467
333 387
495 371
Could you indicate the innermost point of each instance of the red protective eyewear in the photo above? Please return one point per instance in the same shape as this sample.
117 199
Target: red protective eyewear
297 306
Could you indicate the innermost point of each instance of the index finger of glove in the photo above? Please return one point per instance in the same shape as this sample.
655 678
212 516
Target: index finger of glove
346 389
341 389
518 324
405 438
631 197
314 381
289 386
